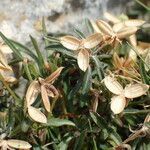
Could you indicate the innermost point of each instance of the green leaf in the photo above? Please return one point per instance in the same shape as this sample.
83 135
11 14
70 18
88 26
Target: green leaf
89 26
56 122
79 33
44 26
101 123
63 145
87 81
12 47
40 57
24 49
98 67
143 73
61 49
79 143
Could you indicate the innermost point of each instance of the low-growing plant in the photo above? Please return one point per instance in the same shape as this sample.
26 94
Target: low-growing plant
82 91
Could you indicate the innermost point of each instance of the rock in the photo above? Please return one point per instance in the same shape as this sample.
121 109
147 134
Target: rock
18 18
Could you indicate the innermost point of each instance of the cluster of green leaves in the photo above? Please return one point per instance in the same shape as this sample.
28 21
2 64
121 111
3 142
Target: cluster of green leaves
73 124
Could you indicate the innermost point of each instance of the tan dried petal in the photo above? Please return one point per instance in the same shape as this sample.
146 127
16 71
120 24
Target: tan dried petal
3 145
105 27
52 91
134 23
118 104
132 55
5 49
70 42
83 59
3 62
117 61
95 27
92 40
118 26
37 115
54 75
135 90
113 85
19 144
45 98
126 32
132 40
10 79
111 18
32 92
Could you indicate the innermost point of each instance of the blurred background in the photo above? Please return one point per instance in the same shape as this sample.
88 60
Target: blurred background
20 18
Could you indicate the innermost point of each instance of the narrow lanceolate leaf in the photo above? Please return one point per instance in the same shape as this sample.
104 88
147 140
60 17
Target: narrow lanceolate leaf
126 32
134 23
45 98
87 81
37 115
113 85
104 27
70 42
147 61
83 59
135 90
92 40
57 122
19 144
118 104
111 18
54 75
32 92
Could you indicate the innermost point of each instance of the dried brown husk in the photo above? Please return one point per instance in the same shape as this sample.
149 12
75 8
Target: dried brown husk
18 144
32 92
83 59
118 104
126 32
113 85
135 90
134 22
70 42
37 115
3 63
53 76
92 41
95 27
105 27
111 18
45 98
118 26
